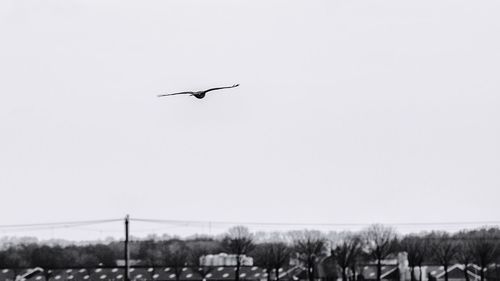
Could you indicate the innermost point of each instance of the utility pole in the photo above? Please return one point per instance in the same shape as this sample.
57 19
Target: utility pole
127 252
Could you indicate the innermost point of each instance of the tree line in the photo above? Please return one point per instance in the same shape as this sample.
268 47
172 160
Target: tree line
345 251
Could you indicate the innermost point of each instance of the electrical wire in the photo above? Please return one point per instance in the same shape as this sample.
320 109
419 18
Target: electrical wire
54 225
176 224
404 224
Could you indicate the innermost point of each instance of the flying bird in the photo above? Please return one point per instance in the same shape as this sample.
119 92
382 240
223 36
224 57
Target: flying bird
199 94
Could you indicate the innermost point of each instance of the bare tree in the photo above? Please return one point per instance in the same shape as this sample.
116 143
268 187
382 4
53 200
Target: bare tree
280 254
380 242
272 252
443 250
416 250
238 241
484 247
263 258
465 256
310 246
346 252
424 245
152 254
177 257
11 258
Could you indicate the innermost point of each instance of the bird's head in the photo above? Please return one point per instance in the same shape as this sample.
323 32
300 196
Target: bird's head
199 95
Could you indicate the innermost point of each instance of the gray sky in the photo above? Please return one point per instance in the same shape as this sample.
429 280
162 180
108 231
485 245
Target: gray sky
348 111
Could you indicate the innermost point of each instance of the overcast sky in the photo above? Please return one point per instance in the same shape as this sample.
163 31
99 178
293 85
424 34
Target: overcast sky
348 111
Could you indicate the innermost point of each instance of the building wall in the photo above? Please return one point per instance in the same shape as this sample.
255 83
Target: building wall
224 259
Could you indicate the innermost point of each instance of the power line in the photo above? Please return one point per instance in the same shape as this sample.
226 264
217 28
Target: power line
220 224
53 225
211 222
200 222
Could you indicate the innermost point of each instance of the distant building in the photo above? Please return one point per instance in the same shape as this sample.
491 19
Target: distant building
224 259
121 262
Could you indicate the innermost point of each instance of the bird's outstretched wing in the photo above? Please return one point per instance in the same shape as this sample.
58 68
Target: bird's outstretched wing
219 88
173 94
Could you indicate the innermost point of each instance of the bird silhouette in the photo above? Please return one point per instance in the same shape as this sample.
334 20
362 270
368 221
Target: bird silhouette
199 94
